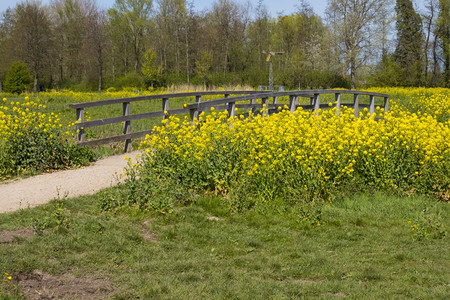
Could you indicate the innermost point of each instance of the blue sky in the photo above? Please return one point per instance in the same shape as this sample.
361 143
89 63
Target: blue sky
274 6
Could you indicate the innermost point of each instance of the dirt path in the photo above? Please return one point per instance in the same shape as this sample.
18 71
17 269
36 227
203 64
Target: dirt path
41 189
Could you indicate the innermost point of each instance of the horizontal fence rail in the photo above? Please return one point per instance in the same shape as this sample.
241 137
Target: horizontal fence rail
227 103
126 117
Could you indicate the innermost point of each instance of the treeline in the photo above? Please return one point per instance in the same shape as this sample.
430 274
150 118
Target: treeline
142 43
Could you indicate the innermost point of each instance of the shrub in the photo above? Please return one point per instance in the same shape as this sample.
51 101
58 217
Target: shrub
132 79
287 159
32 141
18 79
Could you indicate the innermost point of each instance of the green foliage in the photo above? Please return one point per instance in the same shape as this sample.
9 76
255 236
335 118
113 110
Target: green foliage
18 79
203 65
429 224
261 162
364 248
56 220
32 141
153 191
409 50
130 80
307 79
387 72
35 150
150 69
443 32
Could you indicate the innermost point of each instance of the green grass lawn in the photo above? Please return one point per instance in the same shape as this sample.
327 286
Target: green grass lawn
362 247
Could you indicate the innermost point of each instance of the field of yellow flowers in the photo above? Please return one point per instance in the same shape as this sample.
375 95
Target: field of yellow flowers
32 140
260 159
290 158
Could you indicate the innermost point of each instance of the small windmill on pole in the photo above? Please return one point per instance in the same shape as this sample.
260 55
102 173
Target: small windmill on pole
269 60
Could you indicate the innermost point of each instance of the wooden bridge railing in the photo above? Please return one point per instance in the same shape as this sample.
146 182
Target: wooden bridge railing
314 95
126 117
227 103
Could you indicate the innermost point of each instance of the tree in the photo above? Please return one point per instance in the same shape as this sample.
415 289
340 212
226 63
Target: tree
150 68
410 44
353 23
18 79
172 22
259 33
97 40
386 72
130 21
32 38
6 25
72 25
429 20
443 32
227 23
203 65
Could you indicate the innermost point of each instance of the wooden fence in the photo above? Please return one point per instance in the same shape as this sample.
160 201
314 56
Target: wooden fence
226 103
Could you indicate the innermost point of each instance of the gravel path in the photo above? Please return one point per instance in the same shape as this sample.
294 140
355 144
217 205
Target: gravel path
40 189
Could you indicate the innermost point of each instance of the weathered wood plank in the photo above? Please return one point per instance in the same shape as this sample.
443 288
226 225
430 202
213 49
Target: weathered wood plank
154 97
231 109
165 107
227 103
116 138
120 119
80 119
372 104
293 101
337 99
356 104
127 125
316 102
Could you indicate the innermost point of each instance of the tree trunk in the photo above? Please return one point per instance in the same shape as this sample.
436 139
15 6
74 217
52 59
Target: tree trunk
100 77
352 74
177 54
436 69
100 68
187 58
427 41
35 83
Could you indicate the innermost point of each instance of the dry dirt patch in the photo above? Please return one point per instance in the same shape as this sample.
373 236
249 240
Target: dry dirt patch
9 236
39 285
149 235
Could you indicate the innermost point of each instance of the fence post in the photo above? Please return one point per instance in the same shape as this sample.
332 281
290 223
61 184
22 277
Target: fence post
275 99
265 103
316 102
231 109
126 124
253 101
80 118
337 99
356 104
292 103
194 112
226 96
165 107
386 104
372 104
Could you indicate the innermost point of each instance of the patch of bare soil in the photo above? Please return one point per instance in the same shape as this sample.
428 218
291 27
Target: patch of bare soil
10 236
149 235
214 218
39 285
